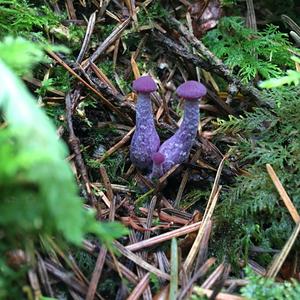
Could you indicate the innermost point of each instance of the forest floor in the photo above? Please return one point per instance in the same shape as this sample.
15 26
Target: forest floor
182 243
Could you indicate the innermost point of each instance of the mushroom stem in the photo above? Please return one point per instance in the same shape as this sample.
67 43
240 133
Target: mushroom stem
144 113
189 126
177 148
145 140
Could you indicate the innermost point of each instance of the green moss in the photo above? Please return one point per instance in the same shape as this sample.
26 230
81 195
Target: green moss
261 288
251 209
248 52
21 18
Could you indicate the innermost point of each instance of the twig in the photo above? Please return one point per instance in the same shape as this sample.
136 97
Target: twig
201 257
101 259
184 180
96 274
210 63
164 237
43 275
65 277
118 145
283 194
251 19
70 10
104 101
221 296
75 146
141 272
106 183
279 260
200 273
140 288
217 64
139 261
217 279
108 41
206 218
87 37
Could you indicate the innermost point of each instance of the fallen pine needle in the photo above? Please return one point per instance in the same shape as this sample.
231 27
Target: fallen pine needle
283 194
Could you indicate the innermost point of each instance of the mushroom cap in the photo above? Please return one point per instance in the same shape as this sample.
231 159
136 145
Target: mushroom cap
191 90
158 158
144 84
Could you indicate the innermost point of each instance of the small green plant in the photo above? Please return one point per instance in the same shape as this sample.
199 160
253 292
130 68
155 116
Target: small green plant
262 288
262 137
39 196
248 52
292 77
20 54
20 18
155 11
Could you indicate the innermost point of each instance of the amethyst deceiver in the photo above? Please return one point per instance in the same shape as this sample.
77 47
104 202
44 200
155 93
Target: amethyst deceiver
157 167
177 148
145 140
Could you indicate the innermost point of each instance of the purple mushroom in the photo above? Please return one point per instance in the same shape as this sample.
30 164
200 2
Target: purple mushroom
145 140
177 148
157 167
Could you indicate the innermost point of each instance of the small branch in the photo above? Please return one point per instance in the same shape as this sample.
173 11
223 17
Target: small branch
139 261
279 260
140 288
210 61
283 194
96 274
75 146
109 40
164 237
87 37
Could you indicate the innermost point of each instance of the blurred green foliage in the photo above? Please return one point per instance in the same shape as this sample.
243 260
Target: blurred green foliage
39 196
262 288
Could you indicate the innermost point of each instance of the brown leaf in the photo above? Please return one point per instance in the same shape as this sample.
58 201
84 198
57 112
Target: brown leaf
205 16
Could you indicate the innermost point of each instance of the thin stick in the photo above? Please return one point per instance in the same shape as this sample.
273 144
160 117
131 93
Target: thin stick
96 274
109 40
164 237
221 296
215 62
106 183
279 260
104 101
283 194
118 145
87 37
200 273
139 261
75 146
195 248
184 180
140 288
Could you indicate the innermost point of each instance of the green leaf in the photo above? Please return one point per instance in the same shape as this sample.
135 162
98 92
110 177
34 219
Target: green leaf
20 54
38 191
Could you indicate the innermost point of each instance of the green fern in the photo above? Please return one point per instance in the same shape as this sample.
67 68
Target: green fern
263 137
261 288
19 18
292 77
247 52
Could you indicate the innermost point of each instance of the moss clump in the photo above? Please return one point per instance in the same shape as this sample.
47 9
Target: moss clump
252 211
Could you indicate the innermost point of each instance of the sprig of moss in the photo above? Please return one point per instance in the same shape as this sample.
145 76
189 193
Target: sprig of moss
248 52
262 137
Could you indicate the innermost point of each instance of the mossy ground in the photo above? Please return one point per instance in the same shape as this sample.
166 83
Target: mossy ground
250 213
